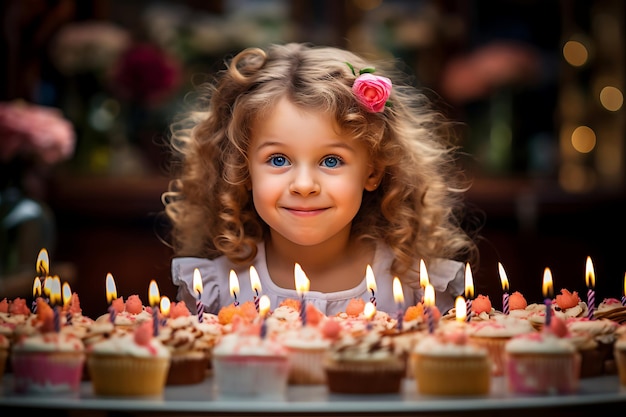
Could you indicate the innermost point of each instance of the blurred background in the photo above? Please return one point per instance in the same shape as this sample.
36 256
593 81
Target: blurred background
89 88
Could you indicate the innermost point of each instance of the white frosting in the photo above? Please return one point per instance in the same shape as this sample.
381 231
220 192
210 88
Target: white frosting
49 342
247 345
307 337
124 344
500 326
441 345
539 342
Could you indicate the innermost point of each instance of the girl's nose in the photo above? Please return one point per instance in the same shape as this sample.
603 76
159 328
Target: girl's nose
304 183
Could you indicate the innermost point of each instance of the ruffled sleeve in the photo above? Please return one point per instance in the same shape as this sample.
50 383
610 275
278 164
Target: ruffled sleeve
215 291
448 279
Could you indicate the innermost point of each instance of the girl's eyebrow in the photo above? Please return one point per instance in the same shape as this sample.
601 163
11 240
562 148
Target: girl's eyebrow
338 144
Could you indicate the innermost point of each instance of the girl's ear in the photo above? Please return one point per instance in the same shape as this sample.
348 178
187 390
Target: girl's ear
373 180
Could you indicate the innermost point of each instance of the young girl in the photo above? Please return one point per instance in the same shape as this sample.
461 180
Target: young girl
315 156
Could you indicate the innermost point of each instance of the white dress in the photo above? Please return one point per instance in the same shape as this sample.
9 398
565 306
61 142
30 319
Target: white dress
446 276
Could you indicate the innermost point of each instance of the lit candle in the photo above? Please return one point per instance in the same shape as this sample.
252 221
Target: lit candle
302 287
469 290
255 283
624 295
36 294
369 311
547 293
264 308
165 305
55 298
371 283
43 270
67 297
155 299
590 279
429 302
111 292
505 289
398 296
459 309
197 287
234 286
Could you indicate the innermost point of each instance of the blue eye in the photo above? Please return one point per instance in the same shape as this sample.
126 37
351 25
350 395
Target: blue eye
278 160
332 162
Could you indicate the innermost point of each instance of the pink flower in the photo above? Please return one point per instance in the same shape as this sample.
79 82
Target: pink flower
32 130
372 91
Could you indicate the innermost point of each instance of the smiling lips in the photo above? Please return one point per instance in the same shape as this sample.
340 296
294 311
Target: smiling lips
303 211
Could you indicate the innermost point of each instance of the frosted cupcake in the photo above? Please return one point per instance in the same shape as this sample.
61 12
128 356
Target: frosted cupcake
128 313
129 364
247 365
493 335
597 337
612 309
364 363
542 362
445 363
47 361
619 351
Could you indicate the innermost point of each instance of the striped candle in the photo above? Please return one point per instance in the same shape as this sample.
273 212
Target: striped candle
200 310
590 279
505 303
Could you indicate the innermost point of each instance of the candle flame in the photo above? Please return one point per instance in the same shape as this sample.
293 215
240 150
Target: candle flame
469 282
67 294
55 289
546 287
302 282
429 296
165 305
43 263
424 280
398 296
47 282
369 310
503 278
36 287
590 276
197 282
255 281
370 279
233 282
460 308
110 288
264 305
154 297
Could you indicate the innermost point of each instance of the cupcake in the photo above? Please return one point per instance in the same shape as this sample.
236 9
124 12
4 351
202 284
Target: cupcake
619 351
596 339
129 364
127 314
47 361
248 365
307 348
364 363
445 363
4 353
183 338
493 335
542 362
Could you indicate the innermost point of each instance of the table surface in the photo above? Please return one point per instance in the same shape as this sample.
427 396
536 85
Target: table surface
201 399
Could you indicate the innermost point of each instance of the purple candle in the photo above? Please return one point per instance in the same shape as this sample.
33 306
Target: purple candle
255 283
547 293
505 289
590 278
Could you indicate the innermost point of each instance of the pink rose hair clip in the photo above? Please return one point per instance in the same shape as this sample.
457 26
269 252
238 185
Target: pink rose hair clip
372 91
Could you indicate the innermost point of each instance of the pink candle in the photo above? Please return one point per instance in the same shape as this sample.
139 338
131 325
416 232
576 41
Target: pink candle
590 278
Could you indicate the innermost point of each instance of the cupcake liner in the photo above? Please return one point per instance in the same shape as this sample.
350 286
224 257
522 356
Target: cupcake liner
306 366
549 374
365 377
495 349
115 375
47 372
445 375
620 362
251 376
187 370
4 354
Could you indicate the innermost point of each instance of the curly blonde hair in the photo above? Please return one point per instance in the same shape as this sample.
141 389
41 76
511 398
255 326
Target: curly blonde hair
417 208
